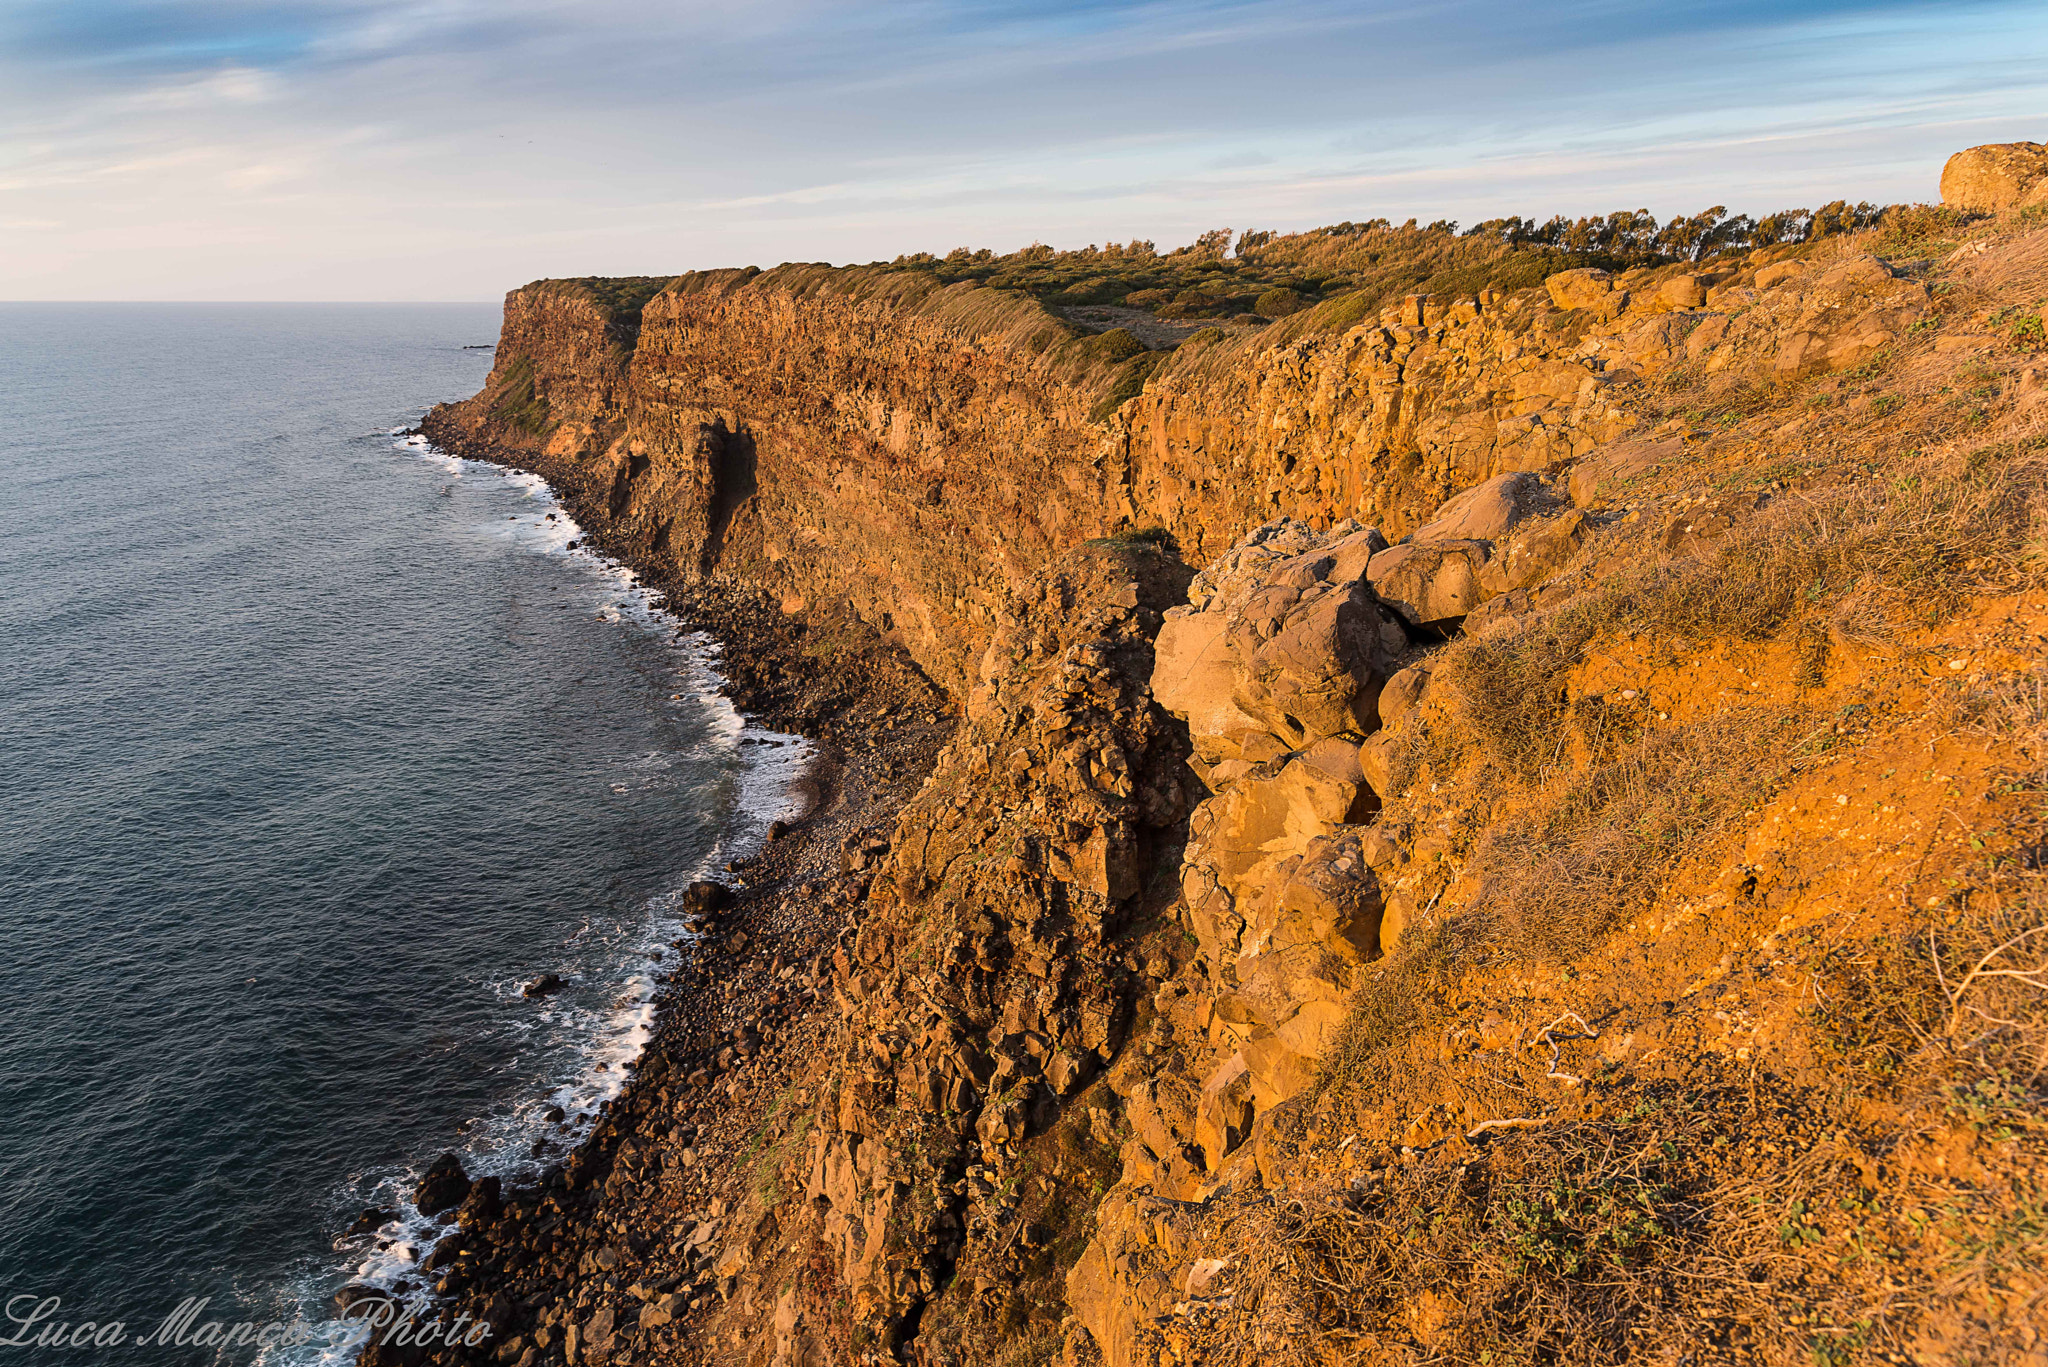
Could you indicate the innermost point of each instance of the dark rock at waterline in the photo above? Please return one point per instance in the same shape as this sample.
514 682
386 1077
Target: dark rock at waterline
482 1205
553 1115
444 1186
707 896
353 1293
547 984
371 1220
443 1254
777 829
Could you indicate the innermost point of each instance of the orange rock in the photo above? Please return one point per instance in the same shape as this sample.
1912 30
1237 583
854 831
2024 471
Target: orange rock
1995 176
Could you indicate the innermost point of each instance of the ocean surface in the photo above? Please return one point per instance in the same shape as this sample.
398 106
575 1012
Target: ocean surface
315 746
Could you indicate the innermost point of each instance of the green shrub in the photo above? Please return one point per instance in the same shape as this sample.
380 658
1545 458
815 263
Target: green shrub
1280 301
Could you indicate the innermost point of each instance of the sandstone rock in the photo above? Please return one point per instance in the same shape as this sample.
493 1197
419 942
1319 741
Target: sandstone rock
1195 679
1495 611
1225 1115
1578 289
1067 1071
1484 512
1778 272
1431 582
1277 810
1601 473
1278 651
1205 1274
1403 690
1680 292
1376 762
1277 1071
1330 901
1539 553
1318 673
1851 311
1995 176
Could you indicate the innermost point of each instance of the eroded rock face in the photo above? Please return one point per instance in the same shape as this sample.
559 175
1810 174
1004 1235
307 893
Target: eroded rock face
981 991
1277 666
938 472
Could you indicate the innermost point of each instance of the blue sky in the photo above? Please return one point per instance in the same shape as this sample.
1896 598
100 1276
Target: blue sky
451 149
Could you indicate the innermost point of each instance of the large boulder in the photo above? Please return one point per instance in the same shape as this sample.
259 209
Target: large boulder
1485 512
1586 288
1431 582
1996 176
443 1187
1277 651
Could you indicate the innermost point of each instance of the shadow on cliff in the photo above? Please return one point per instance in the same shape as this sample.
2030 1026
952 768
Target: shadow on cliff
733 482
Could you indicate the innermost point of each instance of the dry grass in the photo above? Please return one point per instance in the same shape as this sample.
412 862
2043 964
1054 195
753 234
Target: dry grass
1920 538
1734 1213
1688 1214
1603 843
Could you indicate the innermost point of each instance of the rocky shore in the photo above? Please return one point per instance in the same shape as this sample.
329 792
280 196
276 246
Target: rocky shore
631 1240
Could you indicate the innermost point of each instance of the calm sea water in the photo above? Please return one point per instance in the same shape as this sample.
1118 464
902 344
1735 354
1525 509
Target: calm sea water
314 746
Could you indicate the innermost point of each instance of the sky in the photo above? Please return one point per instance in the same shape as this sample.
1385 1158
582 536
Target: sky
454 149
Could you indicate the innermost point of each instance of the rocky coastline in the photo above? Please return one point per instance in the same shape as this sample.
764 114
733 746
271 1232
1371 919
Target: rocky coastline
631 1221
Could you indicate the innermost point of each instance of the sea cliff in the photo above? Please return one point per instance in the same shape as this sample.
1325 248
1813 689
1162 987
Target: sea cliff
1491 826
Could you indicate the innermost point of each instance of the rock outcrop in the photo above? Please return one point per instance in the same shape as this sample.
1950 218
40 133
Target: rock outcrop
1996 176
1249 920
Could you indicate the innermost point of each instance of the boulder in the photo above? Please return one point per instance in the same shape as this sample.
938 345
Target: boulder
370 1221
704 895
1996 176
1376 762
1679 292
1276 810
1194 676
1403 690
481 1205
443 1187
1484 512
1319 672
1431 582
1539 553
1579 289
1275 652
1494 611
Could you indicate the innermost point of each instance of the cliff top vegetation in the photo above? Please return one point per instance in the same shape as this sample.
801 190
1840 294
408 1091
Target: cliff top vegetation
1264 275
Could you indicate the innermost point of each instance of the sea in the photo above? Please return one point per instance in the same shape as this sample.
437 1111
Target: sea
317 745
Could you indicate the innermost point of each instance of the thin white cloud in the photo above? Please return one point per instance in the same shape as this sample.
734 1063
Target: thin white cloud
230 85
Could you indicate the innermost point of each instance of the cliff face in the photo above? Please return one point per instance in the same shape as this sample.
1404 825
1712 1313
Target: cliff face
922 452
1500 884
